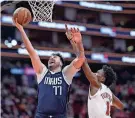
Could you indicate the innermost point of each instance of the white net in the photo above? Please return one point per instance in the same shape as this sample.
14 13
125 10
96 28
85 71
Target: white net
42 10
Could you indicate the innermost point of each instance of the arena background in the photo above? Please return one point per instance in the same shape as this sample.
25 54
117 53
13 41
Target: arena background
108 30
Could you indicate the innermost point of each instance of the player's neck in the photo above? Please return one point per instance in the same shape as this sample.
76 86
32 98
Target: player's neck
58 69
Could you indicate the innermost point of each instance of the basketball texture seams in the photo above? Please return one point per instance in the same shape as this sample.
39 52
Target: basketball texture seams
23 15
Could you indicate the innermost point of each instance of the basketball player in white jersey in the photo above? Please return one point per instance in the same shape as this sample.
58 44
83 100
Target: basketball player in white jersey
100 97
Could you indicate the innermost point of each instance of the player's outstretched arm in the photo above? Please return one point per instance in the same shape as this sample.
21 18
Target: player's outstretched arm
70 70
69 37
79 49
89 74
117 103
75 38
36 62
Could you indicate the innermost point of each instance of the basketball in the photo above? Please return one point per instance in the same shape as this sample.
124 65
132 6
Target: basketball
23 15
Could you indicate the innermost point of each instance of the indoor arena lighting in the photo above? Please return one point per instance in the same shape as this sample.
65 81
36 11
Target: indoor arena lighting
132 33
17 71
2 0
128 59
22 51
101 6
8 44
7 19
130 48
100 57
60 25
97 56
14 42
58 2
45 52
107 30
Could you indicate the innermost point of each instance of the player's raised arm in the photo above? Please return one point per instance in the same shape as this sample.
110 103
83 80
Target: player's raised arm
36 62
117 103
76 64
77 40
74 45
89 74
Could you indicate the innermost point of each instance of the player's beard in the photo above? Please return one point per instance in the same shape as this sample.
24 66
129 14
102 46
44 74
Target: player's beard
53 66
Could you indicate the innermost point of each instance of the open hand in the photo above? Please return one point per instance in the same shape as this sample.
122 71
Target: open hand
77 38
68 33
73 34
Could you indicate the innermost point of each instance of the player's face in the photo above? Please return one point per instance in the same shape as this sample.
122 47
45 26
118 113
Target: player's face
54 61
100 75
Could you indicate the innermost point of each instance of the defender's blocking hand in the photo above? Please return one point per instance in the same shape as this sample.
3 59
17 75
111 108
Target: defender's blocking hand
73 34
77 37
68 33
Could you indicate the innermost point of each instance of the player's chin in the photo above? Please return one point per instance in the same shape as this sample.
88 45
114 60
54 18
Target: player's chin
51 65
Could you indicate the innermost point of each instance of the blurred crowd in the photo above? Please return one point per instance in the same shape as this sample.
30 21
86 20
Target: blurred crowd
19 94
19 91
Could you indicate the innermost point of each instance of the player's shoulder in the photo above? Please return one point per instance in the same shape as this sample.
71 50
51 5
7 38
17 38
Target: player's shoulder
105 88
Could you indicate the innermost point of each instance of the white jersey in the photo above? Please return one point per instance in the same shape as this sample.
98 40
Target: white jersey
99 104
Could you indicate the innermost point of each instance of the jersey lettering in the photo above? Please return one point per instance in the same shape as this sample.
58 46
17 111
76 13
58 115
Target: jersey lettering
53 81
106 95
99 105
53 88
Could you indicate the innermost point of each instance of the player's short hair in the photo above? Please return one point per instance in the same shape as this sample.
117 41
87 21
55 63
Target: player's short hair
61 58
110 75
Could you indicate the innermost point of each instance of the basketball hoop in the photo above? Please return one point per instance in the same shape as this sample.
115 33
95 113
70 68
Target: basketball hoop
42 9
